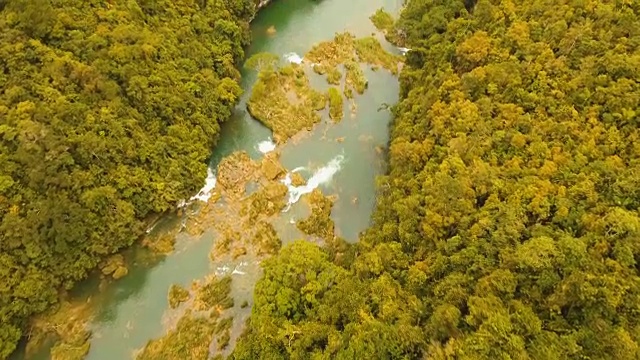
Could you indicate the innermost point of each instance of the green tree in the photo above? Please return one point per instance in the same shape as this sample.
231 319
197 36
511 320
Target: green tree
108 113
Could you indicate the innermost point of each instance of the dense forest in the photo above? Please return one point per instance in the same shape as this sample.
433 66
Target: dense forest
108 112
507 226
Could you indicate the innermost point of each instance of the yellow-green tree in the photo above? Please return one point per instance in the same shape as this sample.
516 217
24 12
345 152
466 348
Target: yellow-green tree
507 225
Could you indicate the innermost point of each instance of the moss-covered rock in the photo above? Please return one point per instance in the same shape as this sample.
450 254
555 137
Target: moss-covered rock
114 266
234 171
266 239
270 167
346 50
214 294
267 201
120 272
297 179
226 238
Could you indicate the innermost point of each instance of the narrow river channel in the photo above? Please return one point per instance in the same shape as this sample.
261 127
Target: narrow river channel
345 157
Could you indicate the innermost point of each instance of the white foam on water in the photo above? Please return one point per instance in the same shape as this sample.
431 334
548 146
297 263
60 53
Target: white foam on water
237 271
293 58
209 184
266 146
227 269
321 176
150 229
222 270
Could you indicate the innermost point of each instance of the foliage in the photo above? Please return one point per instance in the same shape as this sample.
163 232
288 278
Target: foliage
334 76
350 52
164 242
319 223
282 98
294 284
507 225
223 325
223 340
214 293
385 22
262 62
265 239
177 295
355 78
370 51
108 112
71 351
189 340
336 104
223 330
382 20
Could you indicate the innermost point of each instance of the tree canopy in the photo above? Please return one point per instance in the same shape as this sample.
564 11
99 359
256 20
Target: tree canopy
507 226
108 113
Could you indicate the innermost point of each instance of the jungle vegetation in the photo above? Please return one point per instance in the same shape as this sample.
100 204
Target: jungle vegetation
507 226
108 113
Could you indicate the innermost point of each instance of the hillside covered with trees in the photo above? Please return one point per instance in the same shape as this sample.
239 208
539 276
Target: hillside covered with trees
108 113
507 226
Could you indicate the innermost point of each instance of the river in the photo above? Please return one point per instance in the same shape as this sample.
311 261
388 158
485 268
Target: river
129 312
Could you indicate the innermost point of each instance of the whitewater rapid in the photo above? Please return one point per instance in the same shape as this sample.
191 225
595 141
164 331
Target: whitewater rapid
323 175
204 194
209 184
293 58
266 146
